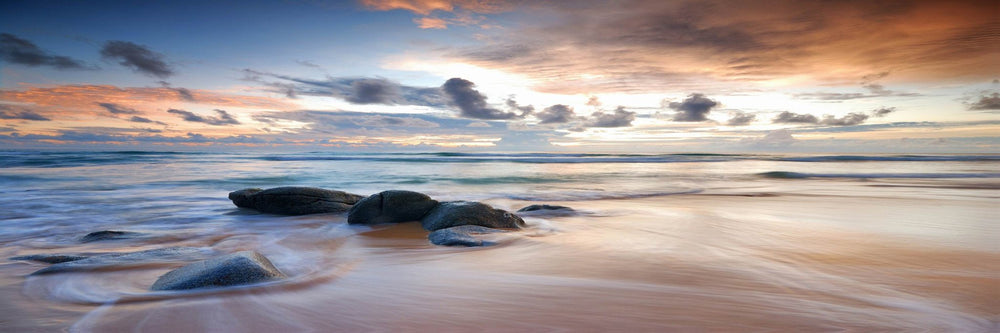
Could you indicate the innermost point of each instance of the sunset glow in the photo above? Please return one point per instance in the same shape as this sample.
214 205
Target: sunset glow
643 76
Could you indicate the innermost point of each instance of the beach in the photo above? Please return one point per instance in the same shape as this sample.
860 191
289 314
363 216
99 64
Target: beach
672 242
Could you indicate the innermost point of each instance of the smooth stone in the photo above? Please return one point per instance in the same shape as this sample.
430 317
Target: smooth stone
50 258
456 213
461 236
109 235
391 207
293 200
547 210
121 260
239 268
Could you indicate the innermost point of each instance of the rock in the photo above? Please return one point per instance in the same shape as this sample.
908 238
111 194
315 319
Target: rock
391 207
122 260
294 200
229 270
461 236
456 213
543 207
547 210
50 258
242 198
109 235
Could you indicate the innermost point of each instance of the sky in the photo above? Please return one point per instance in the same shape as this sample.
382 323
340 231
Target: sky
630 76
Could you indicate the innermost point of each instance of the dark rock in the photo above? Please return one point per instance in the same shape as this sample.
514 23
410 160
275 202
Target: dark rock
242 198
109 235
461 236
391 207
229 270
123 260
456 213
547 210
294 200
50 258
543 207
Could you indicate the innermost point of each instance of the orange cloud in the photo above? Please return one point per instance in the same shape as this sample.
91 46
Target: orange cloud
430 23
86 96
425 7
651 46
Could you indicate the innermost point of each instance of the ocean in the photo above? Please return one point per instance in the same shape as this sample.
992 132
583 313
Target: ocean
690 242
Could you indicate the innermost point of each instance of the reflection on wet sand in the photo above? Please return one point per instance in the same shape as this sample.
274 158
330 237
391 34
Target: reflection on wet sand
683 262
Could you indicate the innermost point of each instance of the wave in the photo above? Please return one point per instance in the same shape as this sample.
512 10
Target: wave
802 175
892 158
73 159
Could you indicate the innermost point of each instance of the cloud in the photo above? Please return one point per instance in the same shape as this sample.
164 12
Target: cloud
118 109
357 90
853 118
695 108
138 119
224 117
75 96
651 46
21 51
883 111
620 118
986 102
786 117
9 112
513 106
480 124
868 82
431 23
183 93
470 102
739 118
372 91
556 114
425 7
137 57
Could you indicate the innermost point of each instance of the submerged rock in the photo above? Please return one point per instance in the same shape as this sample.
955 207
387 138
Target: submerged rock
229 270
391 207
121 260
456 213
109 235
547 210
50 258
294 200
461 236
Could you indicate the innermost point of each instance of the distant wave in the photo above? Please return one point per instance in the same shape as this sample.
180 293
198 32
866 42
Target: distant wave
72 159
801 175
892 158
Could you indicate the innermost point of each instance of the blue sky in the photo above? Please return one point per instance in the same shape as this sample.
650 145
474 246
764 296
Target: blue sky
632 76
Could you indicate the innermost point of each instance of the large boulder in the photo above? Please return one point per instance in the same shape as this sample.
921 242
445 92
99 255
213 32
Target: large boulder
229 270
456 213
391 207
463 235
292 200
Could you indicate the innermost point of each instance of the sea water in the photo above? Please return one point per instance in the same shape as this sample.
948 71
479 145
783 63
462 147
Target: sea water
658 242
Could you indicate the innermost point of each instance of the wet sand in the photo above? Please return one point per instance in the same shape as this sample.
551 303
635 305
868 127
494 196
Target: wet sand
699 262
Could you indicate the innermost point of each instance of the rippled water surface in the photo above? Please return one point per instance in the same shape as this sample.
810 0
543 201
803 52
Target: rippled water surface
660 242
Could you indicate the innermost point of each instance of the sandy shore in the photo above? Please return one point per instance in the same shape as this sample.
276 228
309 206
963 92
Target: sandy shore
689 262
